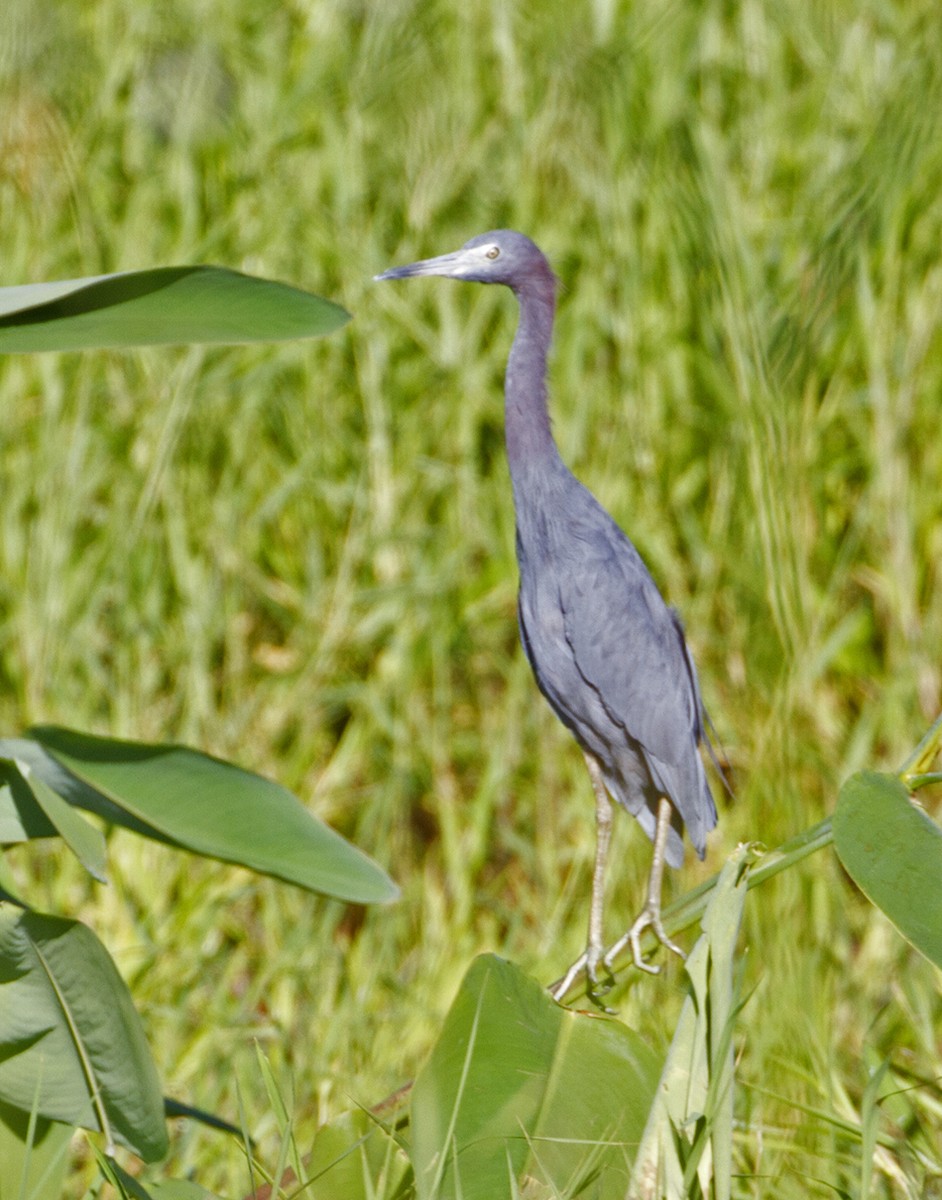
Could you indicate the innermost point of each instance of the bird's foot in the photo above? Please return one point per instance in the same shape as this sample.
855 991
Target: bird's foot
596 988
648 918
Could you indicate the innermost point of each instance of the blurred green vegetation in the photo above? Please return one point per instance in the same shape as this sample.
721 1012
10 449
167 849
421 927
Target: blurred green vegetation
301 557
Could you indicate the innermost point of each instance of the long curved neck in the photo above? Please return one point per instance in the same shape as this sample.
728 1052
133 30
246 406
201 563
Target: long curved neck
527 423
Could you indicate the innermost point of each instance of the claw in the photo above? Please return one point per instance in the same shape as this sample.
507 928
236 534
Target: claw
597 988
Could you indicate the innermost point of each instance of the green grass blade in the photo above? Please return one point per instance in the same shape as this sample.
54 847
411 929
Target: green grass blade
67 1020
893 852
166 305
125 1185
921 757
283 1110
34 1154
869 1127
694 1105
215 808
721 928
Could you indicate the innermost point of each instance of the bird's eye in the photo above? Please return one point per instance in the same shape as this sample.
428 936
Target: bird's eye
493 252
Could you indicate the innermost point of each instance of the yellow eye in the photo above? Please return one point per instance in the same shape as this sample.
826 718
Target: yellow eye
494 252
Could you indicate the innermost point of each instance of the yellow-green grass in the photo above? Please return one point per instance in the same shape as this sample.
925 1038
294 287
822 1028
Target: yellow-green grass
301 557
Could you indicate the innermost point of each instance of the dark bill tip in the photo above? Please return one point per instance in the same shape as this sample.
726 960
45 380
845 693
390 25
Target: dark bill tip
394 273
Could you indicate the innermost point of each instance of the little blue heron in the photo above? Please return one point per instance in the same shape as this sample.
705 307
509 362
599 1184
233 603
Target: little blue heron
607 652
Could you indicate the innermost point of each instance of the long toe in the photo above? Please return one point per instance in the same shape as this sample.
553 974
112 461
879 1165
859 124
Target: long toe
559 989
634 937
662 937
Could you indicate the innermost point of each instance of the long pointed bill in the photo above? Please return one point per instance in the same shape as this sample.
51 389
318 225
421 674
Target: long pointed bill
454 264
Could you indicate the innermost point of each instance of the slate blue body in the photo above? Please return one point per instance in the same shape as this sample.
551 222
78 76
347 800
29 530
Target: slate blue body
607 652
610 656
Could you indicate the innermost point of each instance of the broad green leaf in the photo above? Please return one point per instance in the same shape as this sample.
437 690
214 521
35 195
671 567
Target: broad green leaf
166 305
85 841
212 808
518 1085
893 852
71 1042
71 788
34 1155
687 1145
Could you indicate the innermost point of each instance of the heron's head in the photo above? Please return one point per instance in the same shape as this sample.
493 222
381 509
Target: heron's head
500 256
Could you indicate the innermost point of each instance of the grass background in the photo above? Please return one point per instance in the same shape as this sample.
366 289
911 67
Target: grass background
301 557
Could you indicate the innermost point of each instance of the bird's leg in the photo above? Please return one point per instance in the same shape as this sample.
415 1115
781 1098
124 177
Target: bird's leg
650 915
595 946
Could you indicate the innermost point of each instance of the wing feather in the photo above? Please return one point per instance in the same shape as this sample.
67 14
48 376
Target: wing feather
630 648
